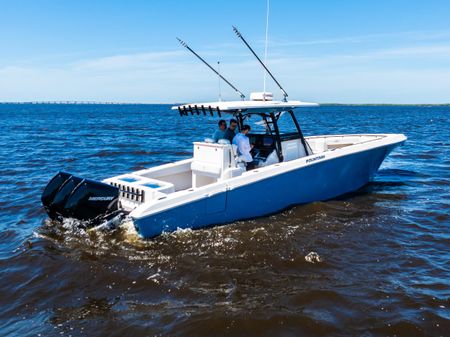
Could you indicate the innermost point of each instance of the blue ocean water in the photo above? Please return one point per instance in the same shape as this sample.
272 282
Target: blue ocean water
381 262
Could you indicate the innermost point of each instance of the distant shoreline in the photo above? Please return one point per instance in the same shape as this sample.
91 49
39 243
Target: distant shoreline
385 104
124 103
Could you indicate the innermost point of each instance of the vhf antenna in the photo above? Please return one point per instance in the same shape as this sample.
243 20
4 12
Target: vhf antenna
220 89
262 63
184 44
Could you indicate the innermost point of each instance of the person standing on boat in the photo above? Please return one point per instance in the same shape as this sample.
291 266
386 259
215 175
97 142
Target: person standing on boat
231 131
220 132
243 145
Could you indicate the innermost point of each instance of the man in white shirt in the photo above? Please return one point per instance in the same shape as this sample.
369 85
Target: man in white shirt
243 145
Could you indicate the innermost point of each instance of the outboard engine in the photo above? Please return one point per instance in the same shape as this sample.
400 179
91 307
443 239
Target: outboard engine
90 199
52 188
56 207
68 196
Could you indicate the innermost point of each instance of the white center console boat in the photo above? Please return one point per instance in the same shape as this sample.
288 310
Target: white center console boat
214 186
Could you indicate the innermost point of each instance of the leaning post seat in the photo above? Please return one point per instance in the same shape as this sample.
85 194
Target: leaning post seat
213 162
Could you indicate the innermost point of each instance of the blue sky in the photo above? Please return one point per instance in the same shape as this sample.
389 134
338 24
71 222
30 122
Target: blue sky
323 51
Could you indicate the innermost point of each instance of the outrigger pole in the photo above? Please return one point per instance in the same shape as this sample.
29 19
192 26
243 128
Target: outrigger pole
184 44
262 63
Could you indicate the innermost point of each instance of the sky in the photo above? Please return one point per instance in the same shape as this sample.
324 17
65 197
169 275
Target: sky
320 51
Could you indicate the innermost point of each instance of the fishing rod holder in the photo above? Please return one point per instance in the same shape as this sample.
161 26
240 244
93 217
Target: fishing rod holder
185 110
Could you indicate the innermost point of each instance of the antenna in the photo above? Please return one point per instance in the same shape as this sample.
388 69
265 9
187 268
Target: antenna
262 63
220 91
265 48
184 44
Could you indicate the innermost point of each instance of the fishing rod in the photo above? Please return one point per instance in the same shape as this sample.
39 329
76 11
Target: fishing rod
262 63
184 44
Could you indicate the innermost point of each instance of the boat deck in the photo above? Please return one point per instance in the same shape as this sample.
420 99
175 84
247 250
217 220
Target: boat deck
211 163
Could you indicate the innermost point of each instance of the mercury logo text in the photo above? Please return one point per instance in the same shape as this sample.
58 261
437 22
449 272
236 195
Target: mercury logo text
101 198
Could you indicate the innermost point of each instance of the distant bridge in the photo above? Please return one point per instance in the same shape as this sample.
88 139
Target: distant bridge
70 102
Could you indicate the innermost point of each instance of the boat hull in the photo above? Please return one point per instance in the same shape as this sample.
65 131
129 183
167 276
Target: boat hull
319 181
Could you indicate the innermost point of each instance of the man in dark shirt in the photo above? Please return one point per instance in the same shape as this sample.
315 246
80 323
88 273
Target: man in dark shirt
231 131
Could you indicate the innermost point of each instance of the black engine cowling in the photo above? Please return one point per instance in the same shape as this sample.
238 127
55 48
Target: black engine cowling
53 187
84 199
90 199
56 207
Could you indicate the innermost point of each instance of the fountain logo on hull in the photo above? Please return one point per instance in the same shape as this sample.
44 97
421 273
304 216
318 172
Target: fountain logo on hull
314 159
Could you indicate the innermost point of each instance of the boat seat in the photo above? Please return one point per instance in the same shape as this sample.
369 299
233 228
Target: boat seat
207 163
213 162
206 169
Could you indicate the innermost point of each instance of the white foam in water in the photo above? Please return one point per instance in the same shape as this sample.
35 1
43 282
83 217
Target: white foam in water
313 257
129 231
183 231
156 278
74 226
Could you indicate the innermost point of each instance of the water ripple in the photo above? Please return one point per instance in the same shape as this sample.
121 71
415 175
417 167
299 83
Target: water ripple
374 262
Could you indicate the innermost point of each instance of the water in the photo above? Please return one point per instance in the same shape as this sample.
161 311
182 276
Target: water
373 263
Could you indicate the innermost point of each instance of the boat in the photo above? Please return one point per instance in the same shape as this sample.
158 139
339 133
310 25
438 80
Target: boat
214 186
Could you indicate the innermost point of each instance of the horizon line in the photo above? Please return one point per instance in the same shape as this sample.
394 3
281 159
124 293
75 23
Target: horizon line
175 103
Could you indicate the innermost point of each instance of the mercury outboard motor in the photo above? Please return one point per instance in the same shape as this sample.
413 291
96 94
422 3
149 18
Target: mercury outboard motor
56 207
51 189
68 196
90 199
